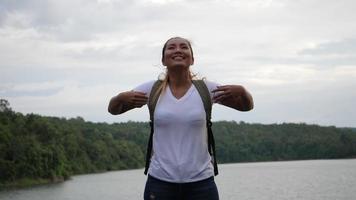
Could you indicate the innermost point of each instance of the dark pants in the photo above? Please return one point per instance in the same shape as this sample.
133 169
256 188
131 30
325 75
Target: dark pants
161 190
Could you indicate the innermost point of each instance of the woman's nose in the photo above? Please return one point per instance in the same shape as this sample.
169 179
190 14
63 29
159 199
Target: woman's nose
178 49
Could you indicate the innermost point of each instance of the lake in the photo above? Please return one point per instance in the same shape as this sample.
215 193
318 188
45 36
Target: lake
302 180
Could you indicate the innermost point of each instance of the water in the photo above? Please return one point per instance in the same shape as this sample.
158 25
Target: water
302 180
305 180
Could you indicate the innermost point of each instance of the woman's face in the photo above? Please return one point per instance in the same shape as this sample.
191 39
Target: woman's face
177 53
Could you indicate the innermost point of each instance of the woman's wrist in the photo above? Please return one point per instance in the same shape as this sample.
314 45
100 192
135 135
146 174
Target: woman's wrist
115 106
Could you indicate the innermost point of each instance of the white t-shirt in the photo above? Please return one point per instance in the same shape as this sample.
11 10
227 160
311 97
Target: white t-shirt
180 147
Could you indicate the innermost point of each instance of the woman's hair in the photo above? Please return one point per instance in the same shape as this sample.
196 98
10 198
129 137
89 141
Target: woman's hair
165 78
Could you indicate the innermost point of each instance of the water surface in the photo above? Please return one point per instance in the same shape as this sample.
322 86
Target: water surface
306 180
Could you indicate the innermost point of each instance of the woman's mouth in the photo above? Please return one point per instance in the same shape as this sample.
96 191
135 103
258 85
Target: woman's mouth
177 57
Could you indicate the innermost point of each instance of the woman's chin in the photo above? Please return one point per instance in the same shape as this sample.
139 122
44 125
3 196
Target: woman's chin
178 66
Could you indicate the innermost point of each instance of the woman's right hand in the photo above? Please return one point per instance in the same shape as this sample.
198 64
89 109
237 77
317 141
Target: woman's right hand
126 101
133 98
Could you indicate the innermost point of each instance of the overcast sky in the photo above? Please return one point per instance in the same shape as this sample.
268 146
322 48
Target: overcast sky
67 58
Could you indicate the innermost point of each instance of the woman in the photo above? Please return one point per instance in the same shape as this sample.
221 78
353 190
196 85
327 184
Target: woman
180 166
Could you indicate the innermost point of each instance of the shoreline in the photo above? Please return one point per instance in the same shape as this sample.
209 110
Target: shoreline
29 182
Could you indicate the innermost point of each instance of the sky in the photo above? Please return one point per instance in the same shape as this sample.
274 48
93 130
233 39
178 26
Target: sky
68 58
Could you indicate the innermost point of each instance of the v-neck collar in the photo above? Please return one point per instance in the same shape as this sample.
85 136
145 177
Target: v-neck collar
186 94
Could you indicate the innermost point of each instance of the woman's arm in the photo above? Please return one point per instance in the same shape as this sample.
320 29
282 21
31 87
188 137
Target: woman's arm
126 101
234 96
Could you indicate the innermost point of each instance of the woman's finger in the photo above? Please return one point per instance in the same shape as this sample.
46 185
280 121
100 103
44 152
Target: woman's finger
141 101
219 97
222 88
137 92
218 94
139 104
141 98
219 89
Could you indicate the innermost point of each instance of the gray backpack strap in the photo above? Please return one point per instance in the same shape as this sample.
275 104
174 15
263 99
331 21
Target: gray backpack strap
153 98
152 101
205 97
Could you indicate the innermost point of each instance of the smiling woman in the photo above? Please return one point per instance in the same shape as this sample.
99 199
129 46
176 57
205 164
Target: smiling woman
180 160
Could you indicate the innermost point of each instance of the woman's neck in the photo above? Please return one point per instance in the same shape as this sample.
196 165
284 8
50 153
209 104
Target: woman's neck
179 78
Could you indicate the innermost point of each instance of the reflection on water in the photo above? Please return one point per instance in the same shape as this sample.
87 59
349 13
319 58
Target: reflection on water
306 180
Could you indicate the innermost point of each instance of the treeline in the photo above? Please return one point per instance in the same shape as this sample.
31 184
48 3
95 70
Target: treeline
51 148
242 142
34 148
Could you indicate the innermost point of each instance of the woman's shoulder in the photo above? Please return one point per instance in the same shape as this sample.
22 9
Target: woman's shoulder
211 85
148 83
145 87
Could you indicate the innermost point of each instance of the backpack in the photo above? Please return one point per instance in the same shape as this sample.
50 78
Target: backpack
205 96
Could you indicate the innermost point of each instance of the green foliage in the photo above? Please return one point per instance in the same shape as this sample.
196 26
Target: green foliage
256 142
34 147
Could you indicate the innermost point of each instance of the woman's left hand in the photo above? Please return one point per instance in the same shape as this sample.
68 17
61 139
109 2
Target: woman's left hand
234 96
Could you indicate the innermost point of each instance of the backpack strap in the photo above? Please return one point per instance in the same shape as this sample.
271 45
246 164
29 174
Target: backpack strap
153 98
152 101
205 97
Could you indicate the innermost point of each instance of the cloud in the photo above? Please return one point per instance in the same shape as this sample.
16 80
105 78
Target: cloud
346 47
320 56
290 54
31 89
75 20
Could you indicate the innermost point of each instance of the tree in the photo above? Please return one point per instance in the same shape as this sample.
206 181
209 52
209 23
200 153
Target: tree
4 105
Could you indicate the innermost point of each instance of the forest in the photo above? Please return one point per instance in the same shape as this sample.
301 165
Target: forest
39 149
